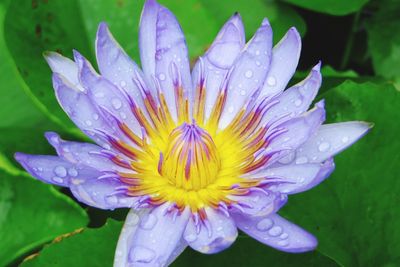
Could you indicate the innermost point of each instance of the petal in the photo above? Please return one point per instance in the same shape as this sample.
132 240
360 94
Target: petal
297 99
260 202
285 57
116 66
162 45
49 169
106 96
80 108
216 234
291 179
298 130
150 237
218 59
248 72
64 66
277 232
330 140
102 193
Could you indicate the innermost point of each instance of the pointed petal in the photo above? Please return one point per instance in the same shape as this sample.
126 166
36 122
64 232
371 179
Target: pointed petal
105 95
219 233
218 59
80 109
150 237
260 202
49 169
297 99
285 57
249 72
330 140
277 232
64 66
162 45
116 66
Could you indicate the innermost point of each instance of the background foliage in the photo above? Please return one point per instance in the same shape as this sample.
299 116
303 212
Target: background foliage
354 214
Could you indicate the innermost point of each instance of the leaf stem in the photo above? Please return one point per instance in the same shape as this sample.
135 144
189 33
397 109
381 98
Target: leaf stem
350 41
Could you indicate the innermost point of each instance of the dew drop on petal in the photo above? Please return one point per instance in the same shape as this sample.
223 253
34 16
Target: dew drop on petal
283 243
284 236
264 224
132 219
248 74
230 109
73 172
323 146
116 103
242 92
60 171
275 231
148 222
258 63
112 200
191 238
301 160
95 116
257 52
123 115
141 254
345 139
123 83
271 81
88 122
57 179
99 94
298 102
161 76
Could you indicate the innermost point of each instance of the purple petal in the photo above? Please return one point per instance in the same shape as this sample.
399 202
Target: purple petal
162 45
150 237
80 108
285 57
218 59
80 153
297 99
299 129
249 72
64 66
49 169
260 202
105 95
116 66
277 232
216 234
330 140
291 179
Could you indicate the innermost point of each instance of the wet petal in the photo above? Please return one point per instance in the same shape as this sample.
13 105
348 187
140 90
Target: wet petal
162 45
218 59
64 66
277 232
248 73
285 57
217 234
150 237
330 140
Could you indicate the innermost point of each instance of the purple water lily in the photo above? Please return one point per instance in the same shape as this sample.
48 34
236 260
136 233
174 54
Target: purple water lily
194 155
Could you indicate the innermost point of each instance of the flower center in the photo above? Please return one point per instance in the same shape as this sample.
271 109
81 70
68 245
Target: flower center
191 160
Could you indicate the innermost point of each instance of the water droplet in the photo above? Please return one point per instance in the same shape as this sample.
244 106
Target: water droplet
284 236
112 200
132 219
258 63
271 81
123 115
264 224
73 172
301 160
99 94
283 243
60 171
324 146
57 179
345 139
191 238
230 109
116 103
95 116
161 76
248 74
243 92
288 158
141 254
275 231
298 102
257 52
148 222
88 122
123 83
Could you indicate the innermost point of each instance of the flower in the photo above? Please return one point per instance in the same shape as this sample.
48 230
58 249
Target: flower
195 155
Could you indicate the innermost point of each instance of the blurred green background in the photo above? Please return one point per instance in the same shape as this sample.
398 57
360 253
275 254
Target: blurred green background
355 214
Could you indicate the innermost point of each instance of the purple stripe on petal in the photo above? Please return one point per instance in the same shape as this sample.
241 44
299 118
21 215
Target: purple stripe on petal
163 44
285 57
217 233
277 232
249 72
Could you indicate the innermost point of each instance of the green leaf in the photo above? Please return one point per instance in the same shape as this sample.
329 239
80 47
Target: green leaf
332 7
96 247
355 212
384 42
32 213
